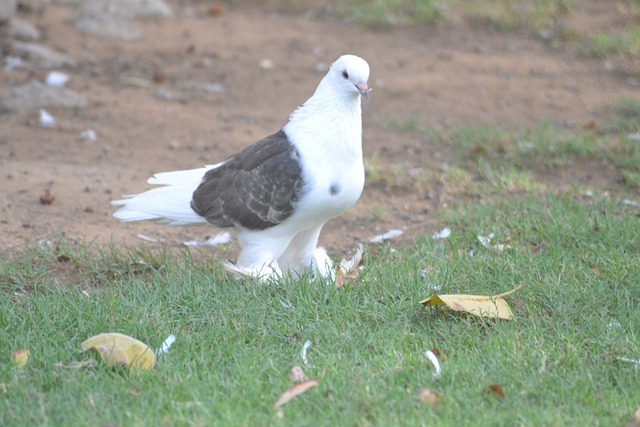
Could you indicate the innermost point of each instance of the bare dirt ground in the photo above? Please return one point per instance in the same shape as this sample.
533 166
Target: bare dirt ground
224 96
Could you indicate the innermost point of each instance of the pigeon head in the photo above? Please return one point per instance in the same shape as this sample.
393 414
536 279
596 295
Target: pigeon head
339 92
351 73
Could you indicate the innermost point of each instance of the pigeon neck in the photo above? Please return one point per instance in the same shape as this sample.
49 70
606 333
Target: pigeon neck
327 98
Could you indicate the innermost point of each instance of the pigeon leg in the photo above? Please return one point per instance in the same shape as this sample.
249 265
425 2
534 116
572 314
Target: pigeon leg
260 251
302 255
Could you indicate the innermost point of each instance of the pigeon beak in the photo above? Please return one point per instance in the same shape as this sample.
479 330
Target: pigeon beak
363 89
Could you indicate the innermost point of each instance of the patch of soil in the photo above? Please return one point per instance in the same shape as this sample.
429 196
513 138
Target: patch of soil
196 89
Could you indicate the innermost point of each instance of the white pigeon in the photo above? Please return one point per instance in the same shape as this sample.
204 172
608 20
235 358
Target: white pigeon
279 192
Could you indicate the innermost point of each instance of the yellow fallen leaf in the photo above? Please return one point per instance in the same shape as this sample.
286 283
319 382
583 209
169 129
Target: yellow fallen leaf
112 354
295 391
478 305
119 349
20 357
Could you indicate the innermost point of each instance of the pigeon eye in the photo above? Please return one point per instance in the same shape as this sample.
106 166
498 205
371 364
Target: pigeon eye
345 74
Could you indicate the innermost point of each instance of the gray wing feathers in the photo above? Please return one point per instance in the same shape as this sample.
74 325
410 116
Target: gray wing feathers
255 189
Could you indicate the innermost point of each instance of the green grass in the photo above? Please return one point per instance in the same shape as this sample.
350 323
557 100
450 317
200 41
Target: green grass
558 361
625 114
606 44
546 145
560 23
578 257
512 15
379 173
631 179
383 13
620 44
508 159
237 341
505 14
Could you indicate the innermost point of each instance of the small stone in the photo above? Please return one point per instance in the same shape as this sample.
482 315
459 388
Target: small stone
133 9
43 55
7 10
89 135
266 64
12 62
33 5
164 94
35 95
159 76
212 87
105 25
546 35
23 30
47 198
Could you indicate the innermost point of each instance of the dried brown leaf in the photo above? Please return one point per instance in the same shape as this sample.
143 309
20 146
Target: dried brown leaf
496 390
294 392
348 271
590 126
430 398
135 391
297 375
635 420
215 10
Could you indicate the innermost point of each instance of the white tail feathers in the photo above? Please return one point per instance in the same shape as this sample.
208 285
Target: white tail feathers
170 204
183 177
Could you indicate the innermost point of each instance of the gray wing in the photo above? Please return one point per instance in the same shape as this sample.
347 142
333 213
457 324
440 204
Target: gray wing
254 189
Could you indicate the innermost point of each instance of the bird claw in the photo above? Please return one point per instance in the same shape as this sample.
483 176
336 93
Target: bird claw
264 274
322 265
